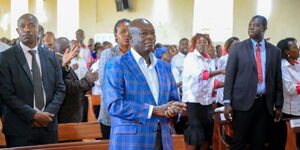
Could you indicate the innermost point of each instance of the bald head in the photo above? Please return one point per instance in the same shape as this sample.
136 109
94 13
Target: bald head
28 29
142 36
61 44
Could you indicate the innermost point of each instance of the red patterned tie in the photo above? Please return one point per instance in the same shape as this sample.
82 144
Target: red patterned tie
258 64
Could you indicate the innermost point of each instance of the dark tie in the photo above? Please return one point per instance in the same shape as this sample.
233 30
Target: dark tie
258 64
37 82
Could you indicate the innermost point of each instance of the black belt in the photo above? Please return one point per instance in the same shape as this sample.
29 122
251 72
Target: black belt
259 96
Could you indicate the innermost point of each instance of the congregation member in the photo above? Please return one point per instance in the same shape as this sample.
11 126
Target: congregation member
198 83
32 89
291 93
84 50
139 90
122 39
71 110
49 41
222 62
253 87
177 60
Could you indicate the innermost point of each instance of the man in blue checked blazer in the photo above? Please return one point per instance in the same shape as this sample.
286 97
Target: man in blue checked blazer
140 94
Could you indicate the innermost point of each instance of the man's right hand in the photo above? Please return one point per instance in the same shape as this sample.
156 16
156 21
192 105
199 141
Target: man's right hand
43 118
169 110
228 112
69 55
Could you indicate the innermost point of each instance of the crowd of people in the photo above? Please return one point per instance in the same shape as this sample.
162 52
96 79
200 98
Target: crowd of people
146 86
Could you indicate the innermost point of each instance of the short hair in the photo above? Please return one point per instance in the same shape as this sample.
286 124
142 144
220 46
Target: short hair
31 16
284 45
218 46
262 18
124 20
183 39
229 42
197 36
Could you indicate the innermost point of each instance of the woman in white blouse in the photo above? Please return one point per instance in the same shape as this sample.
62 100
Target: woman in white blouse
222 62
291 90
198 84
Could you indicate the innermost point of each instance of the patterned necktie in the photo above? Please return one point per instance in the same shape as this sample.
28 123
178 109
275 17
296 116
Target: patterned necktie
37 82
258 64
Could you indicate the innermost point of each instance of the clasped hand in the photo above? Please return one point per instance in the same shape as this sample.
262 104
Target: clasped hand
169 110
41 119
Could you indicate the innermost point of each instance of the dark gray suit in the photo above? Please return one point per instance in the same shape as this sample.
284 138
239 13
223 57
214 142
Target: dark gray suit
241 77
251 112
17 92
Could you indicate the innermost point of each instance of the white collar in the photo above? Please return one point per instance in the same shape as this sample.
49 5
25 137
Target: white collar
139 59
26 48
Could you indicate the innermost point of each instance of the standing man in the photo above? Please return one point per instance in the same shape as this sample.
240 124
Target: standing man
253 87
32 89
138 91
177 60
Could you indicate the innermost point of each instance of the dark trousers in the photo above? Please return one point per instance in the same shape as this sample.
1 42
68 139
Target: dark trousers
36 136
250 127
158 141
105 131
278 133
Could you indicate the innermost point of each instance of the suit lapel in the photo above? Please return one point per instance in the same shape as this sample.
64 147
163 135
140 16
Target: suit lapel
137 72
251 53
160 74
44 64
268 56
23 62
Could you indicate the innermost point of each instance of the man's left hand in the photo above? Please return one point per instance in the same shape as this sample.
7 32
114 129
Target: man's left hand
278 114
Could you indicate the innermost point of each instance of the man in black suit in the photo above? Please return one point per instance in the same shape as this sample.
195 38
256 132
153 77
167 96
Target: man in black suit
71 109
32 89
253 87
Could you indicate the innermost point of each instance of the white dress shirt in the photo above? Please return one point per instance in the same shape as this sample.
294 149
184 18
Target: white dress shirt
28 57
177 61
82 67
290 80
195 86
222 62
150 74
96 89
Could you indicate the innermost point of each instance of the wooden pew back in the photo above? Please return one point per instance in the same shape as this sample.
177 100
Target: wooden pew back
79 131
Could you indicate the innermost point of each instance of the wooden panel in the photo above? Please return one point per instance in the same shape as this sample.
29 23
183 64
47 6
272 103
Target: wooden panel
78 131
178 142
96 99
91 145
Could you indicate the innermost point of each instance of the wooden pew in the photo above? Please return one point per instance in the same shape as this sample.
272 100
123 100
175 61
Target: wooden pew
93 101
90 145
79 131
178 142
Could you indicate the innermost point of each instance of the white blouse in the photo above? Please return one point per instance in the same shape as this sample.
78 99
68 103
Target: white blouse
221 77
291 87
197 87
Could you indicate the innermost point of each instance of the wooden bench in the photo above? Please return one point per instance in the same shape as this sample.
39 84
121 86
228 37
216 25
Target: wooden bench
93 100
72 131
79 131
178 142
90 145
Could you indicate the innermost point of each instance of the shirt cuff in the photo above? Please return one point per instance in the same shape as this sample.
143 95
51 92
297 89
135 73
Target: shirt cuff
205 75
150 111
298 89
226 101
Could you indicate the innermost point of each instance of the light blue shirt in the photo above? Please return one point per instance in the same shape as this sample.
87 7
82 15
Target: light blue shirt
261 87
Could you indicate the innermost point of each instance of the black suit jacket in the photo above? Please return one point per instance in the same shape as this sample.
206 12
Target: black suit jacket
71 109
17 89
241 77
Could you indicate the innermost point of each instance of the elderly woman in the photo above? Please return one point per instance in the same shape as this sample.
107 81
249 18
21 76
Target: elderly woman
198 84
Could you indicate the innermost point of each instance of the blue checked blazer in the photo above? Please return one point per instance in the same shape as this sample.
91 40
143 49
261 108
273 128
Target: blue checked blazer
128 97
